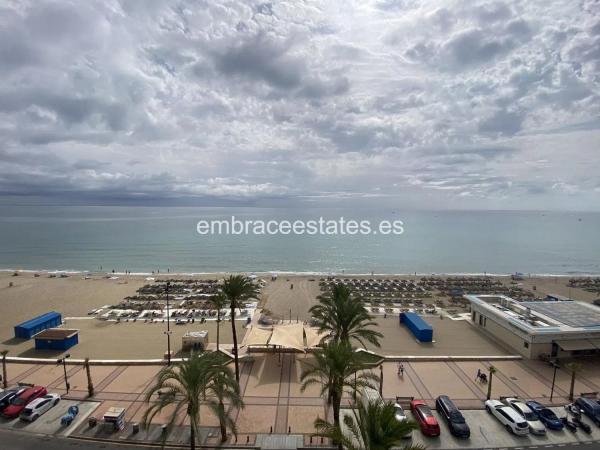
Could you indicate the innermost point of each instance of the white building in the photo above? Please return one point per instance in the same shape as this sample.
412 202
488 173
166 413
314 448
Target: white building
554 328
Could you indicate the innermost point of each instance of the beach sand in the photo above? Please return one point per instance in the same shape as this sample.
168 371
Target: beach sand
75 296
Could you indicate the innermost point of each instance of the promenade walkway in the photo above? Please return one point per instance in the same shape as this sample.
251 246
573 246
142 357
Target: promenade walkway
274 401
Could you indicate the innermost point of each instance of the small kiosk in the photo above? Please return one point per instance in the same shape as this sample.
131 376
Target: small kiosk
194 340
56 339
114 417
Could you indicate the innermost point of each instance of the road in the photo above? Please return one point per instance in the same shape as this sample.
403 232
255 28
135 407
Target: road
14 440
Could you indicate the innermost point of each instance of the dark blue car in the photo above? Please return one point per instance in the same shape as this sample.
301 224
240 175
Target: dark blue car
590 408
546 415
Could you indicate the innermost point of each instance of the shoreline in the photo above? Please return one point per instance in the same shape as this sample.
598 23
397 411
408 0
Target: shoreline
304 274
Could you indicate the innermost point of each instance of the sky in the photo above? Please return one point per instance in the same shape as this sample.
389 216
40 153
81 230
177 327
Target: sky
401 103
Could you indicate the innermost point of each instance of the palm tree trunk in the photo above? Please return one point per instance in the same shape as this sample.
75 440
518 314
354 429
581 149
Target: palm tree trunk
235 344
336 408
192 439
572 390
336 414
489 392
222 421
4 380
218 324
88 372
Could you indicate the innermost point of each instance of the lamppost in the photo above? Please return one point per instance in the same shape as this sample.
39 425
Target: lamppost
63 360
168 332
556 366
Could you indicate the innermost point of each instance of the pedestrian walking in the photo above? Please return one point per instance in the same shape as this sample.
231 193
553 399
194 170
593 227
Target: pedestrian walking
478 374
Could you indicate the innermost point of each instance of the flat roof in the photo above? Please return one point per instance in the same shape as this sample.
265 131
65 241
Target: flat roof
574 314
56 334
542 317
195 334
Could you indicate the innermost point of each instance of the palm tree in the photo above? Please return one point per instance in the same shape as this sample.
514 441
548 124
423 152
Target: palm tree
218 302
223 387
344 317
574 367
492 370
4 380
186 385
371 427
90 385
237 289
337 367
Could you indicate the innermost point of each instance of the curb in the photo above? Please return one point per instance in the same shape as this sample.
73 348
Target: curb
162 362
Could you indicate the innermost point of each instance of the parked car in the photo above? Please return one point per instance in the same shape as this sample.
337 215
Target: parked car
453 417
18 403
425 418
508 417
590 408
39 406
7 395
399 413
400 416
535 424
546 415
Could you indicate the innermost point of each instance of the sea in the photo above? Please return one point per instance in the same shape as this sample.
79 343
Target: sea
160 239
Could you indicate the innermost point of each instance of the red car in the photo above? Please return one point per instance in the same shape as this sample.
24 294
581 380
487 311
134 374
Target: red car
18 403
428 423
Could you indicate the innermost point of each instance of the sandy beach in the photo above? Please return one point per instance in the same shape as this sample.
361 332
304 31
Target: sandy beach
75 296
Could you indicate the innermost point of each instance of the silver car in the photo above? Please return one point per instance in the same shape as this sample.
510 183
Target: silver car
400 416
39 406
535 424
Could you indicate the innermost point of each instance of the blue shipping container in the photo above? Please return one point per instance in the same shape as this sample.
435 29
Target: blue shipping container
418 327
28 329
56 344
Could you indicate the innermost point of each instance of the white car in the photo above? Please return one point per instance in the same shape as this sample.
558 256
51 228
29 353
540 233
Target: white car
535 424
508 417
39 406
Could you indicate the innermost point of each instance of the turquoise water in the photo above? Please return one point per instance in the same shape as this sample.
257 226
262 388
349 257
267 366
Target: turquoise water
143 239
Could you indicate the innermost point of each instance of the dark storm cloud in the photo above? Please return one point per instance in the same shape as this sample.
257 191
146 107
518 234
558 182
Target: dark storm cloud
271 60
264 58
70 109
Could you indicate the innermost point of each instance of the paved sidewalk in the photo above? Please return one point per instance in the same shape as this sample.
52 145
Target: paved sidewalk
274 401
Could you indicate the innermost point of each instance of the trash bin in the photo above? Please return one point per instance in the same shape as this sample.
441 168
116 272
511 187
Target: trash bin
135 428
92 421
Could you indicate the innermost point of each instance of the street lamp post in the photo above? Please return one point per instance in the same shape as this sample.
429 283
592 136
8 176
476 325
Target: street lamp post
168 332
63 360
555 365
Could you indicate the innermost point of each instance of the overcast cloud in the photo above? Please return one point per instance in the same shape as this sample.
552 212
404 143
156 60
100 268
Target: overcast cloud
431 104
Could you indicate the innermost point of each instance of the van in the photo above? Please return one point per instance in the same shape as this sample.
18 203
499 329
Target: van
453 417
